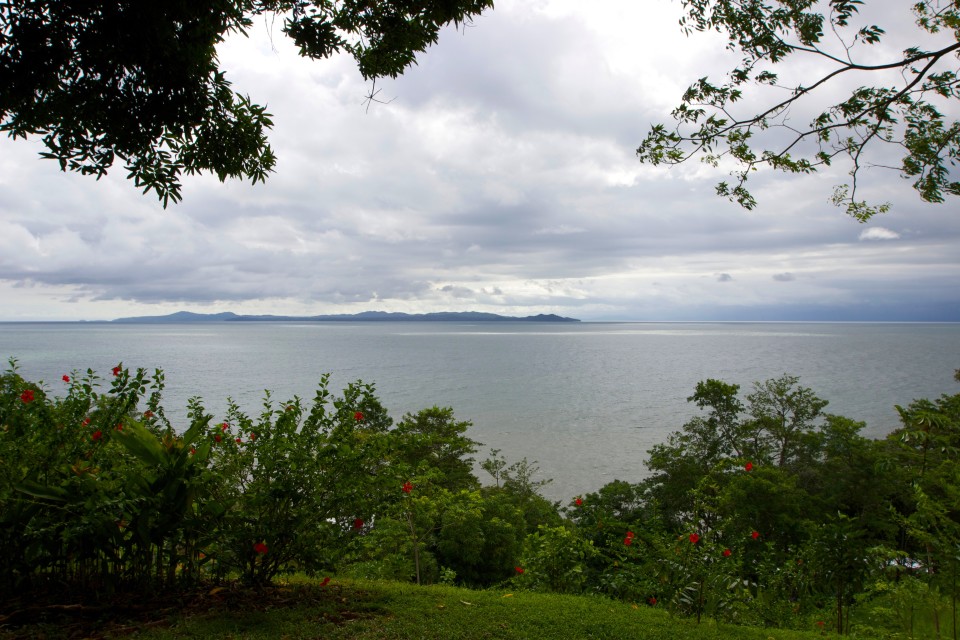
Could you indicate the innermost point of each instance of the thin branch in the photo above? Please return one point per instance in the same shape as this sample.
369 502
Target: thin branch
749 123
372 97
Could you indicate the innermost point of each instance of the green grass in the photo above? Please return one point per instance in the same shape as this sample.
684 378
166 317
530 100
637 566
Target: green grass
384 610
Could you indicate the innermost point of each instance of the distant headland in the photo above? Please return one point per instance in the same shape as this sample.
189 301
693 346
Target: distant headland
366 316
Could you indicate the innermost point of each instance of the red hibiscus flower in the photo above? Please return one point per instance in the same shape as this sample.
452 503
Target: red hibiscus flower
358 523
239 441
27 396
261 548
86 422
755 535
652 600
628 541
518 569
407 487
224 426
96 435
119 426
116 371
748 466
694 538
726 553
630 534
193 451
148 414
66 378
218 437
358 415
578 502
253 436
325 582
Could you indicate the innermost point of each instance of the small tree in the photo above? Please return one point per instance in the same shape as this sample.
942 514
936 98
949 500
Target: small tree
433 439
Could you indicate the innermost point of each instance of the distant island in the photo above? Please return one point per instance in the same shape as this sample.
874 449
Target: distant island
366 316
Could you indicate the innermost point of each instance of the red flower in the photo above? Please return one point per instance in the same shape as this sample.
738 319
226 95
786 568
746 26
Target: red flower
726 553
748 466
358 415
578 502
218 437
224 426
630 534
86 422
755 535
652 600
116 371
96 435
239 441
148 414
66 378
628 541
358 523
27 396
193 450
518 569
260 547
253 436
407 487
325 582
694 538
820 623
119 426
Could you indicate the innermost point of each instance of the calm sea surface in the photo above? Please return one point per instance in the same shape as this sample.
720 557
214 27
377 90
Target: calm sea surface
586 401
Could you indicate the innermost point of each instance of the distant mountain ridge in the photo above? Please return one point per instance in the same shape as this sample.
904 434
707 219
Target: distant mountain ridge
366 316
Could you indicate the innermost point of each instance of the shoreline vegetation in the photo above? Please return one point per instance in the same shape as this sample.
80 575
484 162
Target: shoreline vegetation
762 512
366 316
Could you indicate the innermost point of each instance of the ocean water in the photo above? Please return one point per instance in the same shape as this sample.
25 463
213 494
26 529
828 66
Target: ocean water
586 401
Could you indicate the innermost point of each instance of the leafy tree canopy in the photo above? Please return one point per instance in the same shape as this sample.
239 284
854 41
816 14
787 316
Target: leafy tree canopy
140 81
859 94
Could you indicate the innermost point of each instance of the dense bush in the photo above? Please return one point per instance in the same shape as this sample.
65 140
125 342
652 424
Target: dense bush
99 491
767 512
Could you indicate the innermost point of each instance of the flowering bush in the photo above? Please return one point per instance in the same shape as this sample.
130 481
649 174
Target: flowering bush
91 488
84 482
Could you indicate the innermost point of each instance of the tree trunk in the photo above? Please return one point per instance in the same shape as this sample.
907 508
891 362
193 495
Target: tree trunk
416 545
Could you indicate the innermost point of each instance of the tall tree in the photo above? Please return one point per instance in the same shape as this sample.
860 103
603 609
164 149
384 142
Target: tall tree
787 415
140 81
904 100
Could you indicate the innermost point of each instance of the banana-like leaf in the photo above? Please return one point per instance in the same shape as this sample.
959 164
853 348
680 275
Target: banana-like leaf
142 444
43 492
195 431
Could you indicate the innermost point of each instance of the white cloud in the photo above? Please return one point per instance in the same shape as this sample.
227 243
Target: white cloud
878 233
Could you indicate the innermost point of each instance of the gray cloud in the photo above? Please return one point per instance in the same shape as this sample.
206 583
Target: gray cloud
502 177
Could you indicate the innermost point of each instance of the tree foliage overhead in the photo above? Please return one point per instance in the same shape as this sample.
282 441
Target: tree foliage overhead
880 97
140 82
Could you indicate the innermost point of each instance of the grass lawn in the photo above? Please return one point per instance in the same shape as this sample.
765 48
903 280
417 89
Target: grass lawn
382 610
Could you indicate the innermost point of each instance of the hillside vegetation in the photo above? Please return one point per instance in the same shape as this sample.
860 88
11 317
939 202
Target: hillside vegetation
763 511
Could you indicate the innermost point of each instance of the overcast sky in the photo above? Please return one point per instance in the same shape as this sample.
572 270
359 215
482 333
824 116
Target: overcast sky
498 175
